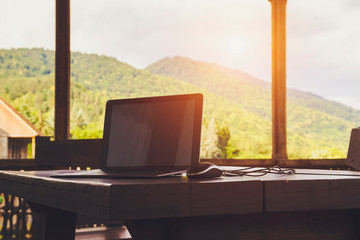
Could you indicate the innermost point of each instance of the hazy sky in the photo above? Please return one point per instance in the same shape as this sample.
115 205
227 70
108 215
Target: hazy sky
323 36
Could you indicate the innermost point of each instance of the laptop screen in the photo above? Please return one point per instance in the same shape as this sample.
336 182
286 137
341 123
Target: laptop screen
153 132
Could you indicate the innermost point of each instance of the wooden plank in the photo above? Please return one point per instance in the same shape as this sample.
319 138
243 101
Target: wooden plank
62 70
151 200
179 197
345 193
83 197
226 197
17 164
70 153
319 225
299 195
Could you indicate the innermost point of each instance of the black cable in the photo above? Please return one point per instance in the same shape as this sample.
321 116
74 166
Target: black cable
258 172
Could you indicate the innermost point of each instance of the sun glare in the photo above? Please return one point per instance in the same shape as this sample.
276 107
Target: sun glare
235 45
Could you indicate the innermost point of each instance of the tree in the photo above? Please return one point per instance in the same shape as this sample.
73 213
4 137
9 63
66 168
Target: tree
215 141
224 136
209 146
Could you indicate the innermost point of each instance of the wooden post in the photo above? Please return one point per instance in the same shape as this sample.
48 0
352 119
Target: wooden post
62 70
279 78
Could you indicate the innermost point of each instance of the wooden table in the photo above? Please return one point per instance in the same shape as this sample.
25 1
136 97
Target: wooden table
313 204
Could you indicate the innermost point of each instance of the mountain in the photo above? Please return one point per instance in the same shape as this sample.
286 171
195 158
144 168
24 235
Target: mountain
315 125
237 106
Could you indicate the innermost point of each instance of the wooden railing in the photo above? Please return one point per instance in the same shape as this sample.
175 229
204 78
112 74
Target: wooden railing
16 218
17 164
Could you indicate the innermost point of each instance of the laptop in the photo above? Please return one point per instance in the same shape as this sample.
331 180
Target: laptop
149 137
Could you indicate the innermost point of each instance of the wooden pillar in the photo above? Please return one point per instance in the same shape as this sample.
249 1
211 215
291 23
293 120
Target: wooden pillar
278 22
62 70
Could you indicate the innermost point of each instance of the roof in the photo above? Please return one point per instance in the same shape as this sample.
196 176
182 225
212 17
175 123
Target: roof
13 124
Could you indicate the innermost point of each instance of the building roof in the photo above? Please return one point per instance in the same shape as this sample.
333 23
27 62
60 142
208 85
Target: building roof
13 124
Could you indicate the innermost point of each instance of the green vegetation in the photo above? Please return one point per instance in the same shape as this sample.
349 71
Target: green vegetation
237 107
317 128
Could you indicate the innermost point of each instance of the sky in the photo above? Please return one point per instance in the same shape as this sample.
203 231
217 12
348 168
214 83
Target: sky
323 36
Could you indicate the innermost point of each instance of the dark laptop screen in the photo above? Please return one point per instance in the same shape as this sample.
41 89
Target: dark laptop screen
153 133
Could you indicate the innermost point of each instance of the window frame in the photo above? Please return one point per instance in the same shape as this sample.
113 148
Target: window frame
279 151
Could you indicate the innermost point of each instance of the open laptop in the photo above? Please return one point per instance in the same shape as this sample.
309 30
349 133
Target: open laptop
149 137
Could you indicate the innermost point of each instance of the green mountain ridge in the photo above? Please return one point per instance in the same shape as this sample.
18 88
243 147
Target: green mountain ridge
237 107
311 119
209 74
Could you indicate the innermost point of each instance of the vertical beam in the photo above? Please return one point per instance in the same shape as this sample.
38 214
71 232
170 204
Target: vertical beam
278 22
62 70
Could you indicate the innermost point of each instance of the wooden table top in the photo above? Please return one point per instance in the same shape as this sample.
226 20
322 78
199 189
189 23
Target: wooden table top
120 199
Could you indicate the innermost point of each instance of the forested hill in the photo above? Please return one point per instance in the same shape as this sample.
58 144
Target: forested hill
242 87
237 108
310 118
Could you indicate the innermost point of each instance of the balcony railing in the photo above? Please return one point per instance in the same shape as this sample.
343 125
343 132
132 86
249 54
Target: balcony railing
16 218
17 164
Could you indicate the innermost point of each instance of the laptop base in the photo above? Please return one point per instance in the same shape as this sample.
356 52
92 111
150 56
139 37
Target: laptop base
98 173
